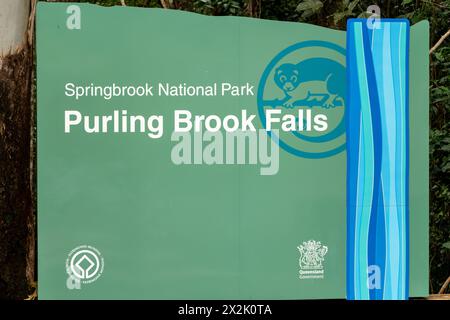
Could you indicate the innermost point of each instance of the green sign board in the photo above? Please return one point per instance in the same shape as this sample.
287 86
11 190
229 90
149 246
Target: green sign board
182 156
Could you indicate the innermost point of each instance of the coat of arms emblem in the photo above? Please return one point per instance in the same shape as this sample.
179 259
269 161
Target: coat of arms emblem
312 254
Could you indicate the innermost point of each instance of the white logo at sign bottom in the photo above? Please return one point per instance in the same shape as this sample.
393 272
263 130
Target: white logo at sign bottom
312 256
83 265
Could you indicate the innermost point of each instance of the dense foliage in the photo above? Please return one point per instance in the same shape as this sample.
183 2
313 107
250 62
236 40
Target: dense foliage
333 14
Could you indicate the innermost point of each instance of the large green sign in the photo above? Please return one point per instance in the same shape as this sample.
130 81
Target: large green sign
190 157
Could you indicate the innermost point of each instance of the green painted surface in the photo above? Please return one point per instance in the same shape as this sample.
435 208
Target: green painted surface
418 176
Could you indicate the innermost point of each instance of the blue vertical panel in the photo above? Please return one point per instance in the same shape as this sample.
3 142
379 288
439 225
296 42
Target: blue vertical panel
377 159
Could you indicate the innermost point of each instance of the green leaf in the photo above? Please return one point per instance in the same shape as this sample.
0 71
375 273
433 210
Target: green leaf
352 5
446 245
307 13
310 5
445 147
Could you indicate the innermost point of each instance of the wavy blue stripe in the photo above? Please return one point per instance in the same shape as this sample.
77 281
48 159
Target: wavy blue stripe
373 259
394 37
366 179
381 244
401 41
405 72
372 236
377 51
391 283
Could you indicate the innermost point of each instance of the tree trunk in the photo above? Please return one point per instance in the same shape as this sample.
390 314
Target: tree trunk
254 8
17 222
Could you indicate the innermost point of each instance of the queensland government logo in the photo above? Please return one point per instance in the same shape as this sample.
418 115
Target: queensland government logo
84 264
308 76
312 255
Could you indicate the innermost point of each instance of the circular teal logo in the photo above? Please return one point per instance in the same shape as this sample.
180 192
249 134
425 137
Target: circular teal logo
307 81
